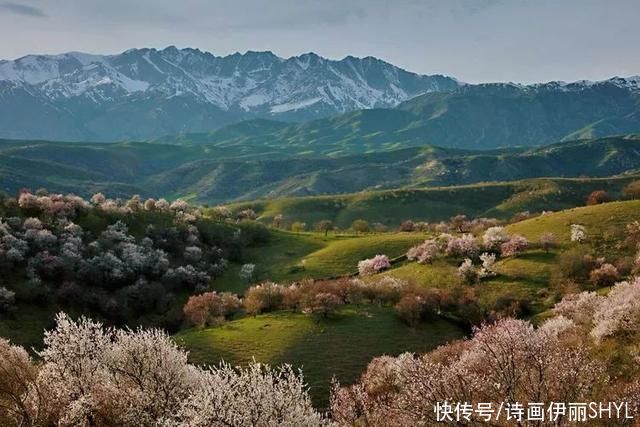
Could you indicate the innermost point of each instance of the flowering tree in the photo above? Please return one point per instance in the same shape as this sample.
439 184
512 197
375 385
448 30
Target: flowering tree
488 262
246 272
619 311
424 253
323 303
494 237
547 241
460 223
578 233
91 375
462 246
254 396
468 272
373 265
211 308
605 275
509 361
514 246
264 297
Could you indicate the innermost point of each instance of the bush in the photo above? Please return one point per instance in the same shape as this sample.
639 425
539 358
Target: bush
211 308
573 265
407 226
467 272
632 190
298 226
605 275
597 197
323 303
360 226
264 297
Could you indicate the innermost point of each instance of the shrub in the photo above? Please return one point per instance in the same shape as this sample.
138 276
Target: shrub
597 197
246 272
632 190
323 303
467 272
605 275
488 261
264 297
211 308
578 233
360 226
407 226
298 226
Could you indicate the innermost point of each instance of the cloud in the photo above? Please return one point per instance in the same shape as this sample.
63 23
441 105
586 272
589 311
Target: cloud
22 9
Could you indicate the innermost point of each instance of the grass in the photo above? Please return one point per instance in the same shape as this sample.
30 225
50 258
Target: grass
292 256
599 220
390 207
341 345
26 328
342 255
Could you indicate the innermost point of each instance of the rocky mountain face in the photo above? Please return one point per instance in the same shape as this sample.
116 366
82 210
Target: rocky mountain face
146 93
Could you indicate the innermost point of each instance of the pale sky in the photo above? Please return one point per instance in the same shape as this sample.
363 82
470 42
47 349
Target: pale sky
472 40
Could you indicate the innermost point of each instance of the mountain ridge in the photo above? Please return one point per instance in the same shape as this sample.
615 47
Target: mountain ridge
141 92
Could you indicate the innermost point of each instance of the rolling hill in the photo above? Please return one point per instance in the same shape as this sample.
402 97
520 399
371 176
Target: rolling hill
217 174
390 207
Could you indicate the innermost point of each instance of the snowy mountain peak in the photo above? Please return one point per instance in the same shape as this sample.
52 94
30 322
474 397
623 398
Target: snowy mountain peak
190 85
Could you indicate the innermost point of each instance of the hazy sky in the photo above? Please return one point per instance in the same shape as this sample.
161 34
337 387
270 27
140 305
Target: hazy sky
473 40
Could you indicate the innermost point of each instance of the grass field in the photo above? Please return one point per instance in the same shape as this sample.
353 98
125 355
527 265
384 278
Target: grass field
293 256
599 220
341 345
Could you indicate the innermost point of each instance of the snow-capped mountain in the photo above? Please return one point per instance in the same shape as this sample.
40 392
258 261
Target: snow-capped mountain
145 93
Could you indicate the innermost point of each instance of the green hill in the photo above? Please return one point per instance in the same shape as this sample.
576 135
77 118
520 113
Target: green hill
391 207
218 174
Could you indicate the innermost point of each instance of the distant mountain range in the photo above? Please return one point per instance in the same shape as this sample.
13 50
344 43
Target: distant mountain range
218 174
146 93
338 107
485 116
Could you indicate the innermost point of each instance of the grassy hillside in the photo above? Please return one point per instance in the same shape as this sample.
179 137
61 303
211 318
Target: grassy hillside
495 115
499 200
341 345
219 174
